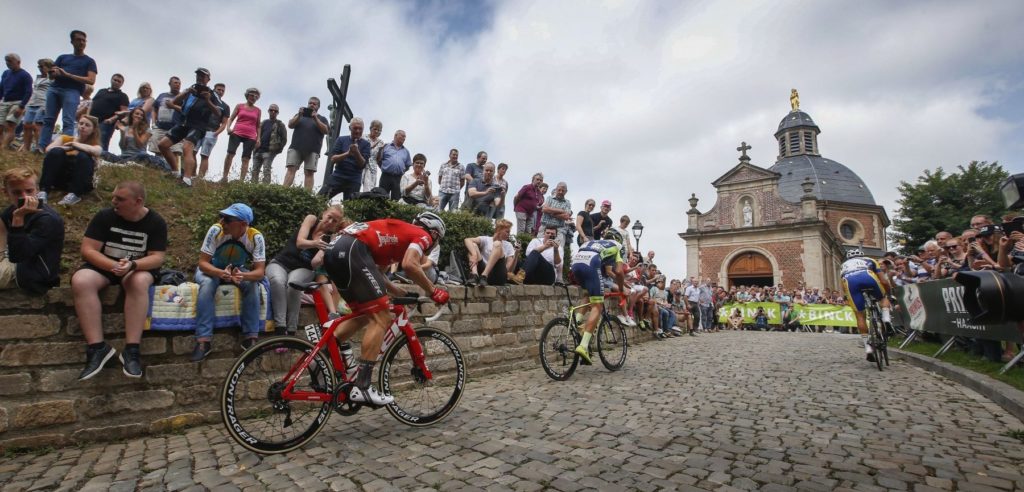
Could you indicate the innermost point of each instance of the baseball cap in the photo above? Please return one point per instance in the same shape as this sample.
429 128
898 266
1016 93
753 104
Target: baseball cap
239 211
606 202
203 71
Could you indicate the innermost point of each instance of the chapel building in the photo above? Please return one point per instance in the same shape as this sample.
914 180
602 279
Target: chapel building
792 222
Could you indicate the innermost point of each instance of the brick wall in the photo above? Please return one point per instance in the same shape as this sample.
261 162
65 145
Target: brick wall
866 220
42 351
788 255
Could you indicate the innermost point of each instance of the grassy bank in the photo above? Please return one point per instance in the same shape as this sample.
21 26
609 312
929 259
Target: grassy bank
1014 377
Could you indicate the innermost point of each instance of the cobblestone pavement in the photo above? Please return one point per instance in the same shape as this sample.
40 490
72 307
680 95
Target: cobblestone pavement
725 411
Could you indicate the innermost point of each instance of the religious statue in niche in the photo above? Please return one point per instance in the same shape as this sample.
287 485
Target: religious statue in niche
748 213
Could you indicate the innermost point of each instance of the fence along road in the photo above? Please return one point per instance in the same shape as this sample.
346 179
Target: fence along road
743 409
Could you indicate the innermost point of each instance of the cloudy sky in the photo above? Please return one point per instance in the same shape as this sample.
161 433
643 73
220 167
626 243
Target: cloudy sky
641 103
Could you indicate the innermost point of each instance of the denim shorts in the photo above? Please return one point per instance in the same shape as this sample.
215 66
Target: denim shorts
34 114
207 144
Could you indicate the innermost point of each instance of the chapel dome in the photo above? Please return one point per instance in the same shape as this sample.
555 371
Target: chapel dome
832 180
795 119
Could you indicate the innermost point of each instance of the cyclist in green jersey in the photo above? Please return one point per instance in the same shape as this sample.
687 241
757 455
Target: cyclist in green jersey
590 264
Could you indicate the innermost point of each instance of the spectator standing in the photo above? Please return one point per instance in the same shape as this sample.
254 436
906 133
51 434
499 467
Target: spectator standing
70 163
491 257
229 247
106 105
558 212
348 158
273 136
416 183
123 245
144 99
484 193
308 130
543 189
199 106
602 221
474 171
543 259
15 91
70 74
371 173
36 108
692 294
584 224
527 205
218 122
394 161
166 116
499 209
623 229
31 236
450 179
246 131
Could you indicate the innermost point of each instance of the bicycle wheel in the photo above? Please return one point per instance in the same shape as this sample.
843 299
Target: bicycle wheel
611 343
251 405
874 335
884 343
420 402
557 344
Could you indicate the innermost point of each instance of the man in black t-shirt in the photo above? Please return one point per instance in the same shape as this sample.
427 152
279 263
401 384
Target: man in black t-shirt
106 103
124 245
197 104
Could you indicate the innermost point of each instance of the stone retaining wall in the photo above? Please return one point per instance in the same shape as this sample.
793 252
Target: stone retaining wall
42 352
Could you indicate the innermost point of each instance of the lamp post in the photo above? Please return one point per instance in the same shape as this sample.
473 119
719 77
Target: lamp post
638 230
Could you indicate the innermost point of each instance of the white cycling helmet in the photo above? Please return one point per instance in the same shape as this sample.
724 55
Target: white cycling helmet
431 222
613 235
854 253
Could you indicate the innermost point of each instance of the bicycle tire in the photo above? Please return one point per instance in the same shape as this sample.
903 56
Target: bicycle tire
251 415
885 344
612 345
558 341
420 403
873 335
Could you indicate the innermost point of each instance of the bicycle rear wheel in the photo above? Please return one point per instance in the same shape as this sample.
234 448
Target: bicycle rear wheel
611 343
875 335
558 343
418 401
256 415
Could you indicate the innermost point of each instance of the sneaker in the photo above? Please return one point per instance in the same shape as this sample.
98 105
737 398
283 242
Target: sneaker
42 196
69 200
481 281
630 321
248 342
472 280
95 360
871 357
201 351
370 395
132 367
622 319
692 334
584 355
186 181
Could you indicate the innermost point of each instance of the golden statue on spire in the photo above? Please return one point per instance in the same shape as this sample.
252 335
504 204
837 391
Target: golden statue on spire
794 100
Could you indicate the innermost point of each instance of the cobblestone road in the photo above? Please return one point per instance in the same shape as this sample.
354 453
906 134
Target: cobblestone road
726 411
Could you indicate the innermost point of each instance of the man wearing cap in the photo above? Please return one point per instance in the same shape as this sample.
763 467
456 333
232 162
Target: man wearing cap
198 105
215 127
166 117
602 221
273 137
123 245
229 246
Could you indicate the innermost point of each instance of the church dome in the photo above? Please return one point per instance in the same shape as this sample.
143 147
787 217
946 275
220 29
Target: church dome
796 119
832 180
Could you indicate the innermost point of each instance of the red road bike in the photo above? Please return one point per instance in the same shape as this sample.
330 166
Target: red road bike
280 392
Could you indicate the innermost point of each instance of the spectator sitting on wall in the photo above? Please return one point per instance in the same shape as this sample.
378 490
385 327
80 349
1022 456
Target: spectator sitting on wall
229 246
543 259
491 258
70 163
123 245
31 236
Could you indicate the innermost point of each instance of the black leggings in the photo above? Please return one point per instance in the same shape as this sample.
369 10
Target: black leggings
72 173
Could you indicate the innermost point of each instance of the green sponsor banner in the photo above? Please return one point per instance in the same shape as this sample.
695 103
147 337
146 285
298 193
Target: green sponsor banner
938 307
809 314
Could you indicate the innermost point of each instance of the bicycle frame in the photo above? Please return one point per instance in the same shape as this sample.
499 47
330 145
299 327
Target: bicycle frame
604 311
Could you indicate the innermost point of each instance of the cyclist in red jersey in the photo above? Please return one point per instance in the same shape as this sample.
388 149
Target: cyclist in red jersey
354 262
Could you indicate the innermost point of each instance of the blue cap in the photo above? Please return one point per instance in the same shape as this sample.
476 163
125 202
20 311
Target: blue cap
239 211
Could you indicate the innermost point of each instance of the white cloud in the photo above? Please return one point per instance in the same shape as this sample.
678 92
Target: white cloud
640 103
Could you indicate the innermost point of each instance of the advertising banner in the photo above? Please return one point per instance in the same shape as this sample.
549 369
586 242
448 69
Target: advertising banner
809 314
938 307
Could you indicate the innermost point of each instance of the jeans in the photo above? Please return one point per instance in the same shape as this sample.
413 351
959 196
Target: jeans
450 200
707 314
63 101
206 306
285 300
538 270
106 132
668 318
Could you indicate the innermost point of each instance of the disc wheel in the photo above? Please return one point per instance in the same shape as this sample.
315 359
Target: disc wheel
420 401
558 342
612 344
256 415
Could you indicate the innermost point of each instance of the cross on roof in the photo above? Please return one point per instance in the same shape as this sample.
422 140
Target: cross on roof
744 148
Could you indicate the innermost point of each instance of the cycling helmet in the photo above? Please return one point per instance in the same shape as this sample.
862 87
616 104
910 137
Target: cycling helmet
431 222
854 253
613 234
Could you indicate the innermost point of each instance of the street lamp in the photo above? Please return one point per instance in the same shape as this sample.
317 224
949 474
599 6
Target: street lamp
638 230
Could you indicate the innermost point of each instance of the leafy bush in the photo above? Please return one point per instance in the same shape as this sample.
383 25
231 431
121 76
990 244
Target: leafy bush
278 210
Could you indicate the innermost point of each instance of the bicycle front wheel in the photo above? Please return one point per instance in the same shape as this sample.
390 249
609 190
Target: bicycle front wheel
611 343
558 343
254 412
420 401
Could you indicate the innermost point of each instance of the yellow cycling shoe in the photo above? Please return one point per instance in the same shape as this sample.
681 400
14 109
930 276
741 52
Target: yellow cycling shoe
584 355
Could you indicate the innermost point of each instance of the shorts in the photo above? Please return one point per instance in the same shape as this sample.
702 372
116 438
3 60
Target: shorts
248 145
7 109
350 266
8 274
294 158
34 115
154 142
114 279
590 279
185 132
856 283
209 140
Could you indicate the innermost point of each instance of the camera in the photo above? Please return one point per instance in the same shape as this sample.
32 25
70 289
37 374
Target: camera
198 89
307 112
21 202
